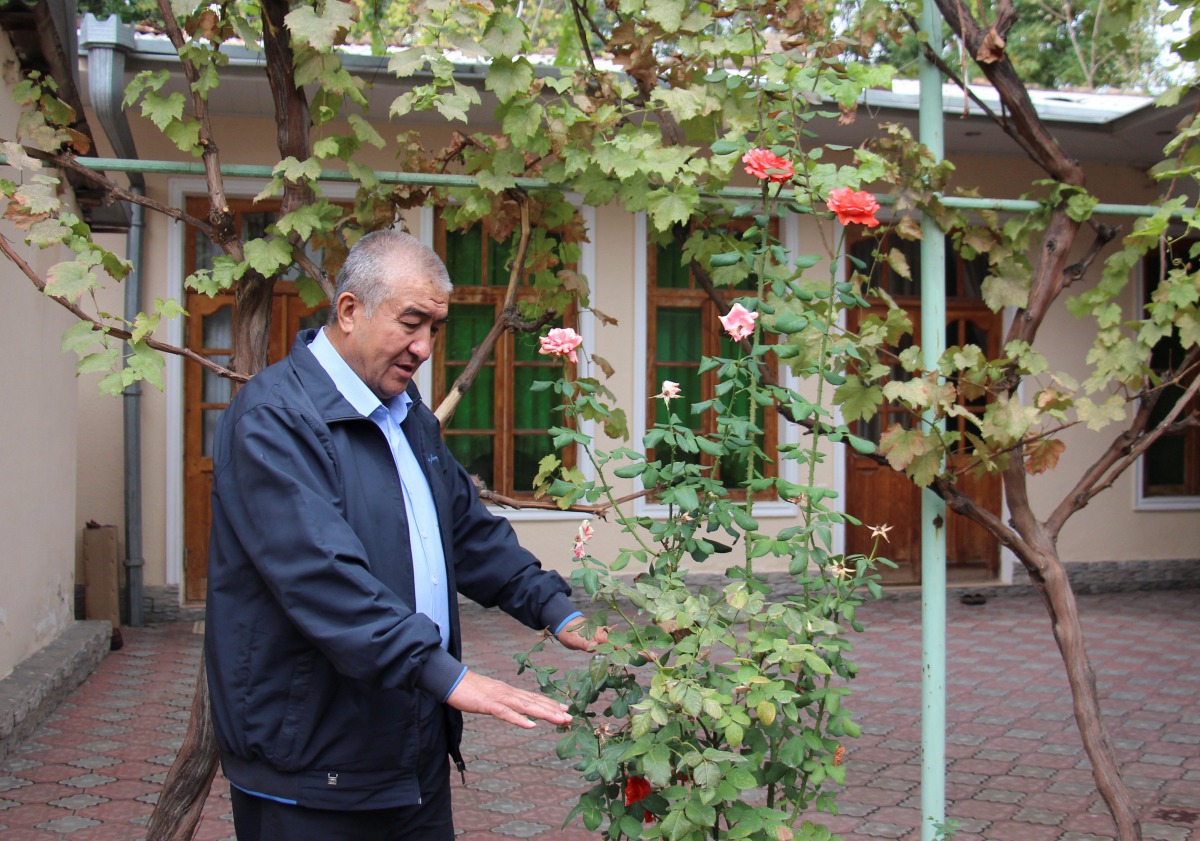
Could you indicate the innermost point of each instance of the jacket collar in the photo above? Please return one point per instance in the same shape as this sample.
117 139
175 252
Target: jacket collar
328 400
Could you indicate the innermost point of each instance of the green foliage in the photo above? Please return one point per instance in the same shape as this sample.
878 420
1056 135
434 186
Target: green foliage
1086 44
715 711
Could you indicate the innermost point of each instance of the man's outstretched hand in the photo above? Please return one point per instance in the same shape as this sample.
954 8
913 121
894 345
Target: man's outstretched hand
570 636
478 694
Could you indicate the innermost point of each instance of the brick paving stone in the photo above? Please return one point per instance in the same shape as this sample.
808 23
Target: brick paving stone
1048 817
68 824
88 780
996 709
876 829
78 801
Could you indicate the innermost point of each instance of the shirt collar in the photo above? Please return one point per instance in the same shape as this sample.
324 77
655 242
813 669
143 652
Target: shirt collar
351 386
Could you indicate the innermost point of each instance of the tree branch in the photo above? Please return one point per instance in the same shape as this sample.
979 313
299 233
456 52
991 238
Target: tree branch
958 79
504 322
107 329
960 503
598 510
1038 142
116 191
1124 450
219 214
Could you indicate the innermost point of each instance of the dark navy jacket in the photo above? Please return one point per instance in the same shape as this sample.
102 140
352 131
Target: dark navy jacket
318 665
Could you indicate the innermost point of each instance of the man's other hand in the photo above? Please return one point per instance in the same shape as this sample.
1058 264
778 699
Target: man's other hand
571 637
478 694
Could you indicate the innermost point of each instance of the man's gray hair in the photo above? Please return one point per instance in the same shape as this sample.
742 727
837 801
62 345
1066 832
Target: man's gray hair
382 258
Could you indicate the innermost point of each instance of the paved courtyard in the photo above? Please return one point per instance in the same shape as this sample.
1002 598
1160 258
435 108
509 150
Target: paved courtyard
1016 770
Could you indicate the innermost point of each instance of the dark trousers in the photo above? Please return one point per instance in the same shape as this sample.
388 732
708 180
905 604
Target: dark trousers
259 819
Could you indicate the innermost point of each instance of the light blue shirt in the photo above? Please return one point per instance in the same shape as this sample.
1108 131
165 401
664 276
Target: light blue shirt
428 558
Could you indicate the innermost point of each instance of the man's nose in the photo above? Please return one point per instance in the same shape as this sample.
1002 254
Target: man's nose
422 344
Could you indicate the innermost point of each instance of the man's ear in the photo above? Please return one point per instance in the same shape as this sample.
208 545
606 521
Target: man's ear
349 311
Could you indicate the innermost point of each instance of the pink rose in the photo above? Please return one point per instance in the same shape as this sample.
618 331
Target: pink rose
853 208
561 341
764 164
586 532
738 322
670 390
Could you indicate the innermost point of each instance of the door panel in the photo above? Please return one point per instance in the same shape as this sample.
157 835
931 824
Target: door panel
878 495
206 394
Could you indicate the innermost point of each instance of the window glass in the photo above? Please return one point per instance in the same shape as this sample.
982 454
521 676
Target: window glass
499 429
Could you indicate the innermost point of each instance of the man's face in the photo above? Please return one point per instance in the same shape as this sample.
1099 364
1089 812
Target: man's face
386 348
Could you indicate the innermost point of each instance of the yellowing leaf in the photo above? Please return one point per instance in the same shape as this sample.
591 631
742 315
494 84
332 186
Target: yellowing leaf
914 393
857 401
899 263
267 256
671 207
407 62
162 110
666 13
1042 455
901 445
69 279
1000 292
297 171
1099 415
505 35
320 31
508 77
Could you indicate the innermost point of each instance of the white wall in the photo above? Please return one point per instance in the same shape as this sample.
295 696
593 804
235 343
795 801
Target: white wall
37 446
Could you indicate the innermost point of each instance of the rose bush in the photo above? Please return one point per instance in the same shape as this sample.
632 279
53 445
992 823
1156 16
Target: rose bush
717 707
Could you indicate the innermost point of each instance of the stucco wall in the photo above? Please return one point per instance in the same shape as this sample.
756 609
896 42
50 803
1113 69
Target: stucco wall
1110 529
37 456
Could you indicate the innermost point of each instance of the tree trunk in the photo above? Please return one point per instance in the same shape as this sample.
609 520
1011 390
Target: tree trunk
1059 599
1038 551
181 802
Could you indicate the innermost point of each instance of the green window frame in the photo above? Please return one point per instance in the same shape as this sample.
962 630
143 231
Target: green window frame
683 326
499 429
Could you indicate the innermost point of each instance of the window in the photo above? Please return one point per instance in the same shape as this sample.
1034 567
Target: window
499 430
1171 465
683 327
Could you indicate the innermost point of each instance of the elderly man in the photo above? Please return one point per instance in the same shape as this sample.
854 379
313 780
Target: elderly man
342 530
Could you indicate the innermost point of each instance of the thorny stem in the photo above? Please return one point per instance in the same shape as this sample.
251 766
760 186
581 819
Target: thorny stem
814 453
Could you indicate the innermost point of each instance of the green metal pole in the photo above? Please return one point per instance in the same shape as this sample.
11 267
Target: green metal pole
437 179
933 507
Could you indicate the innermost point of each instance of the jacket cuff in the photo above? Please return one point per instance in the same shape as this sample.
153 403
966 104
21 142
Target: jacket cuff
441 674
557 610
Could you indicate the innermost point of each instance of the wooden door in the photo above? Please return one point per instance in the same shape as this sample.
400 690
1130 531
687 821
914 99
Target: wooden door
878 495
210 333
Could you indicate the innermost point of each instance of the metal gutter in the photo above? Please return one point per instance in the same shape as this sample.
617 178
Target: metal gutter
107 43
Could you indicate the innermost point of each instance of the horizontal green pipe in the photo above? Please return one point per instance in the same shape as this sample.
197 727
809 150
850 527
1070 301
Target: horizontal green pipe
433 179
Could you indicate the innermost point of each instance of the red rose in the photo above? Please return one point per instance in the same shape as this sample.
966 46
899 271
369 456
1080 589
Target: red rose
636 788
853 207
764 164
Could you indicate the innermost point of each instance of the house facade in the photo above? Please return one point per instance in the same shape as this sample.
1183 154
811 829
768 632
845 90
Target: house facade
73 470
